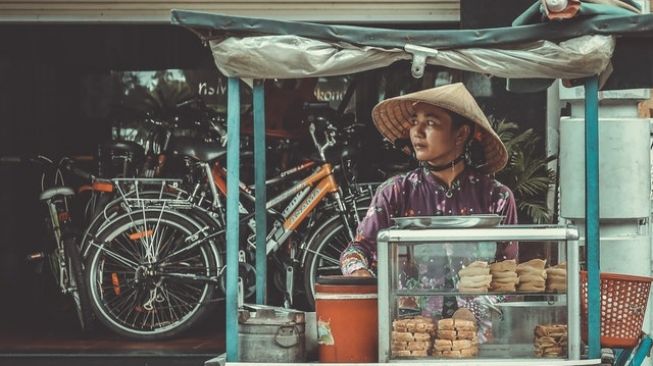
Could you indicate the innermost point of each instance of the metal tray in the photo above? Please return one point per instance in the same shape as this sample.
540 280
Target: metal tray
443 222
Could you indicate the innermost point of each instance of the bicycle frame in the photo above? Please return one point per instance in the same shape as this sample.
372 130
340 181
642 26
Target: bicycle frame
306 195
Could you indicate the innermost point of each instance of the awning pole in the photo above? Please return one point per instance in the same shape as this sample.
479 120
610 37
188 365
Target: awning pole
592 229
233 171
261 197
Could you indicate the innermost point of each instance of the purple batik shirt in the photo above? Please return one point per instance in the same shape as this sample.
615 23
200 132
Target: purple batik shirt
420 193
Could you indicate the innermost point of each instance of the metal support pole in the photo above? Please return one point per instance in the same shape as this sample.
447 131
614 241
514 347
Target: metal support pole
233 170
261 197
592 232
573 301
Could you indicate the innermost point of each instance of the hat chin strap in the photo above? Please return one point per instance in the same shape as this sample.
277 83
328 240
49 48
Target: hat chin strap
449 165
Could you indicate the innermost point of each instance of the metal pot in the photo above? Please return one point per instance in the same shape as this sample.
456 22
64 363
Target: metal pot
514 322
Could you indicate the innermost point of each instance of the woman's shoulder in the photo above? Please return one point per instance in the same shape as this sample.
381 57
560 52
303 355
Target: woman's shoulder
400 182
490 182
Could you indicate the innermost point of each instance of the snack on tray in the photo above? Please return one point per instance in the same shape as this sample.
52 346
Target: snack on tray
504 277
533 263
474 278
456 337
550 340
556 280
412 337
532 276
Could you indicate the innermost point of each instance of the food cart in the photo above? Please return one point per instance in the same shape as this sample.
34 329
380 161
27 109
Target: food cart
579 48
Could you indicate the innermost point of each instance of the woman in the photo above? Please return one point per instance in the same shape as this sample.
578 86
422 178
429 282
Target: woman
458 151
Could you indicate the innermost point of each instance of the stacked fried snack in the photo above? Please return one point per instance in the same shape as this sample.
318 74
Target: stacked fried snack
504 276
556 278
412 336
550 340
456 339
532 276
475 278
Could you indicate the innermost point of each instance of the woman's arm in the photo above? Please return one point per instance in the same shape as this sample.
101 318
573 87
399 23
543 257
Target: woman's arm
360 255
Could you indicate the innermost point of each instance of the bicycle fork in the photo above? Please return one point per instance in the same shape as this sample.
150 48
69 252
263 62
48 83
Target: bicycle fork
55 200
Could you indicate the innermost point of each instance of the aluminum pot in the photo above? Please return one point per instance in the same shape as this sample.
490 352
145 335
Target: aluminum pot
514 322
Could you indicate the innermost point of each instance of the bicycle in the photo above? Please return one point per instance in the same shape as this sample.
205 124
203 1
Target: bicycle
63 256
325 210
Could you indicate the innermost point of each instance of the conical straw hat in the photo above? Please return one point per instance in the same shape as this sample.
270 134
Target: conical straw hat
392 118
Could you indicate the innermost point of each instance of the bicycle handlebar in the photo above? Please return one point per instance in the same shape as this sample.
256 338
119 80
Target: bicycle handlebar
66 164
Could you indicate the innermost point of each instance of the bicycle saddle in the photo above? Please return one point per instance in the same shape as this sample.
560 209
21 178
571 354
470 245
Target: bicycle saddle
199 150
56 191
128 147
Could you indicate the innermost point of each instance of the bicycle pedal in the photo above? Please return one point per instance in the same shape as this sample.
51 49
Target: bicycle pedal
35 257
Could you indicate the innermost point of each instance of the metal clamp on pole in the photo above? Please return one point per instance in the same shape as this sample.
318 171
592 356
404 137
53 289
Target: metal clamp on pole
419 58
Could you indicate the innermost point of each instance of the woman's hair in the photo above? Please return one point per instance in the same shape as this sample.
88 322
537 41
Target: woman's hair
473 147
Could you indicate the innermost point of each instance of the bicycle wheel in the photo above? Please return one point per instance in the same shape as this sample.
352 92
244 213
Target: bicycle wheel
323 253
77 287
150 275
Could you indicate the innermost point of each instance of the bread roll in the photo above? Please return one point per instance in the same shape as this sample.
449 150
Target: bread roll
533 263
545 341
442 345
527 287
461 344
475 281
464 313
503 287
473 271
509 265
446 324
504 275
401 353
421 336
466 334
532 280
423 327
402 336
420 353
505 281
464 324
556 278
399 345
418 345
447 334
469 352
451 354
531 271
556 272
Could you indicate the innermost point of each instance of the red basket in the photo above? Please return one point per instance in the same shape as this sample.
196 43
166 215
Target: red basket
623 304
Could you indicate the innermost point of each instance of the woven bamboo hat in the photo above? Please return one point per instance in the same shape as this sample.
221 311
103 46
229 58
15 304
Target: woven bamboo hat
392 118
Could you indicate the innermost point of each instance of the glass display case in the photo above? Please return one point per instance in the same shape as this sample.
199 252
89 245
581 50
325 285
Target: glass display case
454 293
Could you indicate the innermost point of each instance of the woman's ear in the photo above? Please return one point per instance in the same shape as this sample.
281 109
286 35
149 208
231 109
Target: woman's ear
462 134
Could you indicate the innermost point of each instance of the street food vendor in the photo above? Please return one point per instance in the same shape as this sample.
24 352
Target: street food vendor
458 153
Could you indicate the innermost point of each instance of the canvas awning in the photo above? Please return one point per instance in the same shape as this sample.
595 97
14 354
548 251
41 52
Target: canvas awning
265 48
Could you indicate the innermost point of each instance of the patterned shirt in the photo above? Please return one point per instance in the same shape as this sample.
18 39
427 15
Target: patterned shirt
420 193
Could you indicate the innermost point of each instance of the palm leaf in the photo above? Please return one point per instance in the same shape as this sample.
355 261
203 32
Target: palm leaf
527 172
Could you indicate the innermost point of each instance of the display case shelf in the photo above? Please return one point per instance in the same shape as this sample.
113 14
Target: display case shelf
414 255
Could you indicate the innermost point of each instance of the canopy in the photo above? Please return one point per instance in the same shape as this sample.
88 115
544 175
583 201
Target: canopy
264 48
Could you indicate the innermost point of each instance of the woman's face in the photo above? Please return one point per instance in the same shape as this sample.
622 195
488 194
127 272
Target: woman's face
433 136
